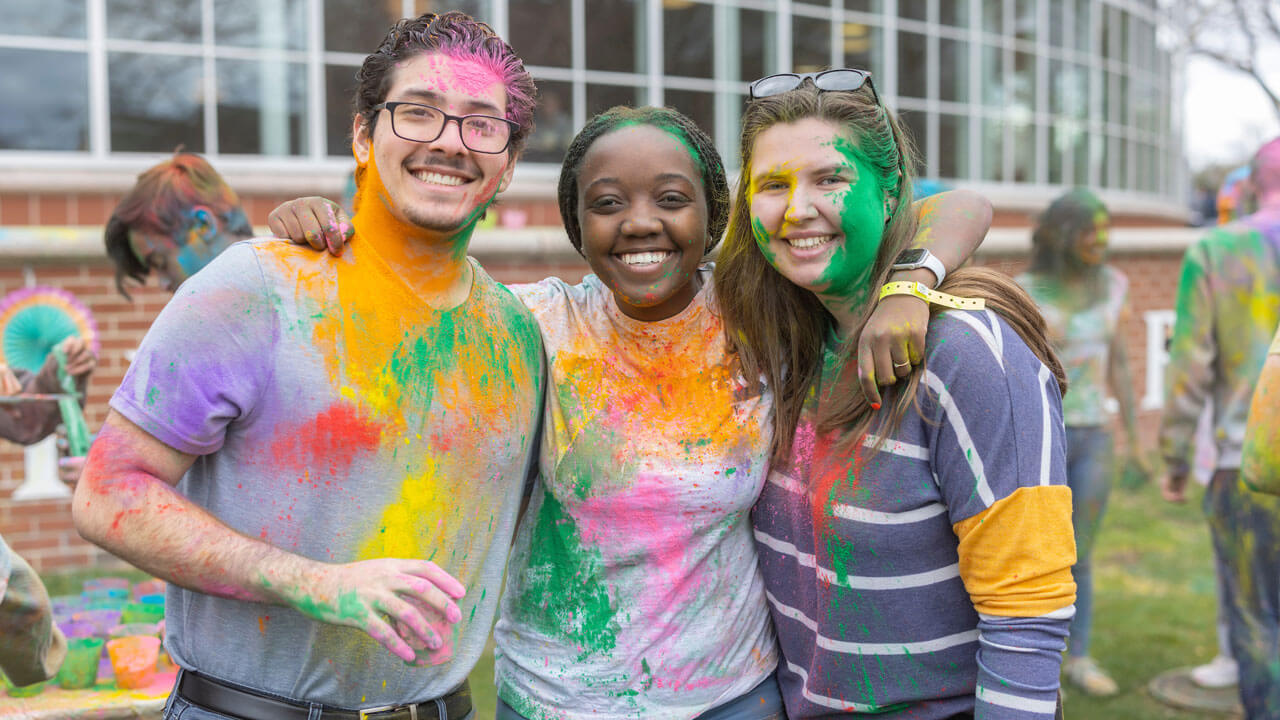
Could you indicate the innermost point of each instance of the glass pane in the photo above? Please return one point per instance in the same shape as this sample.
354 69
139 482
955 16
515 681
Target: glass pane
1069 89
1057 158
954 12
918 132
54 88
478 9
686 43
1024 19
540 32
914 9
1024 79
603 97
615 35
912 66
51 18
156 102
262 107
993 77
1024 152
171 21
953 64
867 6
1058 12
339 90
953 146
1109 27
357 26
756 44
699 106
993 16
862 45
553 123
810 44
1087 156
992 149
1084 24
260 23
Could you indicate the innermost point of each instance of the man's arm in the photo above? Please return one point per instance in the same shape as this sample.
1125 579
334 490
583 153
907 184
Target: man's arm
1189 375
127 502
951 225
1260 463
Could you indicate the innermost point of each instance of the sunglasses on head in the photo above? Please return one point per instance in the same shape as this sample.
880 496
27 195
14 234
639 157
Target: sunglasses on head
838 80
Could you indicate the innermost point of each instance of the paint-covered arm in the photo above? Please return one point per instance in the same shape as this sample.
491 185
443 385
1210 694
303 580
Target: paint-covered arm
127 502
1189 373
31 645
1260 461
951 225
315 221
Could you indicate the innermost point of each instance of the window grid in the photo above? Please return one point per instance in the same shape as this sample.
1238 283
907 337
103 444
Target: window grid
1120 152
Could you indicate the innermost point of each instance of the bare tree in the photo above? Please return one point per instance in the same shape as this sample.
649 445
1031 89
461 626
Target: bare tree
1232 32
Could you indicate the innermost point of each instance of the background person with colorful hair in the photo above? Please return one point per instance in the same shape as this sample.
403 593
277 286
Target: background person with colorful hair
176 219
916 559
1228 309
1085 304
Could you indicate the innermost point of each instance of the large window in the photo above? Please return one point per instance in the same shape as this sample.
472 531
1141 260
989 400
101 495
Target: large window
1001 91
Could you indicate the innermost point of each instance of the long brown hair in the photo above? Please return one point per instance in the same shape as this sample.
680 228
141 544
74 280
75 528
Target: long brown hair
779 330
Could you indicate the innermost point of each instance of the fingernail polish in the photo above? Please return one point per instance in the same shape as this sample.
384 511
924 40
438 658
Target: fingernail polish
875 406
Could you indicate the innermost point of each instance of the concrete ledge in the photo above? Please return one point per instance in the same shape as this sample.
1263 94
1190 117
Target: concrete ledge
44 243
1002 242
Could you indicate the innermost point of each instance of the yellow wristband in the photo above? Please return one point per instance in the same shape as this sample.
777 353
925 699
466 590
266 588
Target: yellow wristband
906 287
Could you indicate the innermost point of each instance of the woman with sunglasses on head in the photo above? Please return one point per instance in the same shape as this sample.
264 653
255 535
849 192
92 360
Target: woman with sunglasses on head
916 559
1083 300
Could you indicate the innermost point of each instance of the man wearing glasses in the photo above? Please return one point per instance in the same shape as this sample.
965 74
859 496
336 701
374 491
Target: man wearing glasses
325 456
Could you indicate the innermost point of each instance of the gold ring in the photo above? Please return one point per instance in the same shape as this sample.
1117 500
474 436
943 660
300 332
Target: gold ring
902 364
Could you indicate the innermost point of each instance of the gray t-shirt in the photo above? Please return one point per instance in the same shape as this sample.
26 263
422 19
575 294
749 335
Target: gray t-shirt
339 417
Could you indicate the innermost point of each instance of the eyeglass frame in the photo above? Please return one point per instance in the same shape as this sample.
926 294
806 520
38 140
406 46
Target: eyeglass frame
390 106
815 76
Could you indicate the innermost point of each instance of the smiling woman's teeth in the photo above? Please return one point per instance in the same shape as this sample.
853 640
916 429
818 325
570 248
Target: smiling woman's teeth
437 178
644 258
809 241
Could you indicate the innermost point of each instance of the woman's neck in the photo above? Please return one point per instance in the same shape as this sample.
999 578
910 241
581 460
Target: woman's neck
434 265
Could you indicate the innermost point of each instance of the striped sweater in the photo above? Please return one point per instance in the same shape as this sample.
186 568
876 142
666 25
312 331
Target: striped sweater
932 577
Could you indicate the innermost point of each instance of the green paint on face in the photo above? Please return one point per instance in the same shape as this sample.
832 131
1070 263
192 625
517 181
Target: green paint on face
762 241
566 594
862 220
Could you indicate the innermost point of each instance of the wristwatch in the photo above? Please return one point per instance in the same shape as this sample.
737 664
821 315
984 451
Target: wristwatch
913 258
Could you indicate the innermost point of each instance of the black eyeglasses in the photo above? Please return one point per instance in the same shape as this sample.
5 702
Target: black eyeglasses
838 80
423 123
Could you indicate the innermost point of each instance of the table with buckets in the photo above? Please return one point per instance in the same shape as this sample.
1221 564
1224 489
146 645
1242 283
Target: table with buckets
115 667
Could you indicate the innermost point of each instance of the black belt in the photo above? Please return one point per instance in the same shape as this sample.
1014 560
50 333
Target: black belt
250 705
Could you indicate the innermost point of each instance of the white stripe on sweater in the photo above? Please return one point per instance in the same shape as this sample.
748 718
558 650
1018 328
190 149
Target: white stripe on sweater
856 648
948 405
859 582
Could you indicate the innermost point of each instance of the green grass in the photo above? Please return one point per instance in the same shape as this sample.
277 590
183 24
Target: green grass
1154 601
1154 606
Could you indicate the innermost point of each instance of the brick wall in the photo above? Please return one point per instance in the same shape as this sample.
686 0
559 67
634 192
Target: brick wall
41 530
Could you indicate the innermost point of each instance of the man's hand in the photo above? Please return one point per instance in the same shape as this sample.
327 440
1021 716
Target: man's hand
892 342
313 221
1173 484
374 595
9 384
80 357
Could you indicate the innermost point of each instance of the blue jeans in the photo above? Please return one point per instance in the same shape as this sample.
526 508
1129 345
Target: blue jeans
763 702
1089 477
180 708
1245 527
